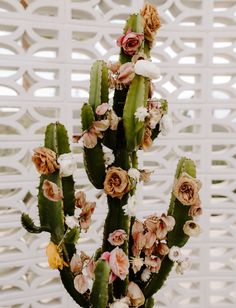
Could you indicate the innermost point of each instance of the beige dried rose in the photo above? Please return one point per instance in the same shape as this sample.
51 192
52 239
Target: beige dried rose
191 228
153 263
45 161
137 263
118 237
163 249
80 199
117 182
151 21
195 210
135 295
186 189
51 191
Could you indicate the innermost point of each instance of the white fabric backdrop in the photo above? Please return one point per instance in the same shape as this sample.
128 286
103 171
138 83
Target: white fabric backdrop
46 51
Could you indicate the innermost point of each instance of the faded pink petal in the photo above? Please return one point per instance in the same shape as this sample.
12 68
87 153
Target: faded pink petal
101 126
114 120
90 139
150 239
105 256
119 263
102 109
112 277
81 283
117 237
153 263
126 73
76 264
90 268
130 42
51 191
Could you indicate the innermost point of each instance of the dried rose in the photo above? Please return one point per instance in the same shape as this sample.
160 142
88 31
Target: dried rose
117 237
186 189
102 109
137 263
135 294
44 160
130 42
119 263
163 249
85 216
151 22
191 228
117 182
81 283
80 199
153 263
126 73
76 264
51 191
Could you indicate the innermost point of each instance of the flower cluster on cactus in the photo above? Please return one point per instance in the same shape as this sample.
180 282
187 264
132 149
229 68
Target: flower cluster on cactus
136 256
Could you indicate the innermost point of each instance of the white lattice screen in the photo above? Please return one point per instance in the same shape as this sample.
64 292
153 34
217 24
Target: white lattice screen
46 50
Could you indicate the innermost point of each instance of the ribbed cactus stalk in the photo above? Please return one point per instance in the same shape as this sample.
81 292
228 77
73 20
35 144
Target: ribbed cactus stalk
135 257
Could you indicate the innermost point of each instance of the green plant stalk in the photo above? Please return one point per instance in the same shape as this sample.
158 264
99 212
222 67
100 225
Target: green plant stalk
149 303
176 237
99 294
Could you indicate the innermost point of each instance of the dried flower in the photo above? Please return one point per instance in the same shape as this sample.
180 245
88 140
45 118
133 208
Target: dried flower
126 73
137 263
119 263
147 69
81 283
151 22
80 199
91 268
85 215
130 42
134 174
135 294
186 189
114 120
102 109
183 266
55 260
113 66
153 263
145 175
122 303
175 254
130 208
154 118
51 191
117 182
109 158
191 228
76 264
71 222
162 249
141 113
67 163
117 237
166 125
195 210
90 137
44 160
146 274
147 139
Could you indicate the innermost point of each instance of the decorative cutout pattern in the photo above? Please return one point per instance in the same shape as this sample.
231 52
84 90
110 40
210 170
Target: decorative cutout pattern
46 50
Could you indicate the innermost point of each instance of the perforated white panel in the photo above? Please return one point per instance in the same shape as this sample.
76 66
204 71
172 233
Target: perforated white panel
46 50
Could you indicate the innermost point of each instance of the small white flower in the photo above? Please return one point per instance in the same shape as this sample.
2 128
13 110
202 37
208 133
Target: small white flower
191 228
123 303
137 263
71 222
175 254
109 158
130 208
155 117
145 275
141 113
166 124
134 174
147 69
67 164
183 266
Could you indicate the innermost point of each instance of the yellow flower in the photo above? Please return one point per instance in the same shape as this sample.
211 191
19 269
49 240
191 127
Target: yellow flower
55 260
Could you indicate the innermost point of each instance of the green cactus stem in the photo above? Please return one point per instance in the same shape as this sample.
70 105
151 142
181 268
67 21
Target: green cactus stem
30 226
93 158
149 303
98 91
99 294
176 237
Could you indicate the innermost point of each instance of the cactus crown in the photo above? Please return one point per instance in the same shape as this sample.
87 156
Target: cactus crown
135 257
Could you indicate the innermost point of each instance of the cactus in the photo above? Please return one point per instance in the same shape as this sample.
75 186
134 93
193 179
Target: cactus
131 123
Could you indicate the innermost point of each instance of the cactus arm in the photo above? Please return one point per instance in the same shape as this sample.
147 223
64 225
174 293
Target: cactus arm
30 226
135 99
149 303
176 237
99 294
105 84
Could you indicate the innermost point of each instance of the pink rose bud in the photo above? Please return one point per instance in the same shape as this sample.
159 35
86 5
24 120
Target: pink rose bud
102 109
130 42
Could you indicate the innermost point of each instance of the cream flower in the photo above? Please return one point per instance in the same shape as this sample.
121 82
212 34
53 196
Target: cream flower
117 237
134 174
135 294
81 283
147 69
166 125
191 228
146 274
141 113
44 160
119 263
175 254
130 208
183 266
195 210
55 259
137 263
71 222
153 263
76 264
51 191
117 182
122 303
67 164
186 189
109 158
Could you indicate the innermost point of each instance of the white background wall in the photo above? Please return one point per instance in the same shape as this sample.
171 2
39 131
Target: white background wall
46 51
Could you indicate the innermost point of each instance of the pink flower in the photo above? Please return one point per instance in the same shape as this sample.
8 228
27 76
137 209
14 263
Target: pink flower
105 256
90 139
81 283
165 224
126 73
117 237
90 268
85 215
138 237
195 210
76 264
130 42
153 263
91 136
119 263
102 109
51 191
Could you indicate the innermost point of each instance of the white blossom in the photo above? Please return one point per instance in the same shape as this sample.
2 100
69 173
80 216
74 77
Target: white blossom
71 222
147 69
141 113
166 124
134 174
67 164
130 207
145 275
191 228
175 254
109 158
